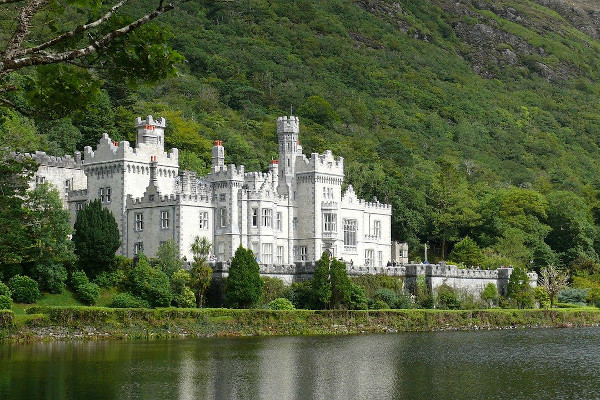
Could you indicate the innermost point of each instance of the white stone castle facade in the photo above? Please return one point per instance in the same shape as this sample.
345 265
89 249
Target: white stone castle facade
288 215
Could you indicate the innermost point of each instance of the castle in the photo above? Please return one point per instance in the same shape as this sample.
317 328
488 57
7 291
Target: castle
287 216
292 213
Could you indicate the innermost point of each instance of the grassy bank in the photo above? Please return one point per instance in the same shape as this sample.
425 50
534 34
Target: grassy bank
60 323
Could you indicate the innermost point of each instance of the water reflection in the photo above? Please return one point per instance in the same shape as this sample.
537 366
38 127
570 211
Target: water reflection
541 364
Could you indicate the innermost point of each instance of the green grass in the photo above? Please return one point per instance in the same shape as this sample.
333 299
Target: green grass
64 299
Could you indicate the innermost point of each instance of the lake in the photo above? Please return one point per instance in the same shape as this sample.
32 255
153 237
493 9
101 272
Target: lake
508 364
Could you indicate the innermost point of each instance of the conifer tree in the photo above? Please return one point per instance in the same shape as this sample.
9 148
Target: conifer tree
321 286
244 286
96 238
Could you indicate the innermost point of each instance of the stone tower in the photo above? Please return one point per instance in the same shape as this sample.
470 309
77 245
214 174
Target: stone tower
288 129
150 132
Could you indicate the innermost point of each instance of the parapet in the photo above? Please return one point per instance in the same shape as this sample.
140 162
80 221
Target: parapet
228 173
109 150
288 125
44 159
325 163
150 121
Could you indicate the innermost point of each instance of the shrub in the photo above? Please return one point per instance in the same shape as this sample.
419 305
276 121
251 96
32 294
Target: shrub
273 288
110 279
380 305
447 298
78 278
127 300
358 298
573 296
4 290
5 302
51 276
88 293
490 294
386 295
372 283
281 304
403 301
150 284
85 291
185 299
24 289
300 294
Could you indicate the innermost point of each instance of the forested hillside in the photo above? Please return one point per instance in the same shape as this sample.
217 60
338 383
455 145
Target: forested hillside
471 117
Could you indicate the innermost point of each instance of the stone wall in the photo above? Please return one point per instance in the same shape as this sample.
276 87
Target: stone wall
468 281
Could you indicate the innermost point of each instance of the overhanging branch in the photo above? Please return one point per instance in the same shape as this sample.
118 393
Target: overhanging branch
9 65
78 29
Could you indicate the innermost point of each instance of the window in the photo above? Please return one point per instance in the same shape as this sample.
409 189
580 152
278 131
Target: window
369 257
138 247
139 221
377 229
105 195
222 197
279 255
350 232
267 217
221 249
223 217
329 222
267 253
255 217
79 206
303 253
203 220
164 219
279 222
67 185
40 179
380 258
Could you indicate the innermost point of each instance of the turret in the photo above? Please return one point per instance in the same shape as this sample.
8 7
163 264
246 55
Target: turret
289 146
150 132
218 156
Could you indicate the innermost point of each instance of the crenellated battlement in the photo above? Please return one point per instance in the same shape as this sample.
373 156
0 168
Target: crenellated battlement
231 172
367 205
288 124
42 158
324 163
109 150
150 121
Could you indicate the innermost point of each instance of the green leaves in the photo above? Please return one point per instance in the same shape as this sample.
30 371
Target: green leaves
244 286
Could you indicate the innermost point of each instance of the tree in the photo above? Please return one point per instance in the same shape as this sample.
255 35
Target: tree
48 224
467 252
331 287
167 258
150 284
320 285
553 281
244 286
86 33
96 238
490 294
201 273
341 286
518 288
14 182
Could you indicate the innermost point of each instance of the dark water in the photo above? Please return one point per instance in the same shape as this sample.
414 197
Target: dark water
525 364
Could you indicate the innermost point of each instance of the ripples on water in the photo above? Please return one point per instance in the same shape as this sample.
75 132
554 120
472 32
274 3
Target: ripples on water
522 364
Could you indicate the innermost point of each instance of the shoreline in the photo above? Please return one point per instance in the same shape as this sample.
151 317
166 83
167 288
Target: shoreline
47 324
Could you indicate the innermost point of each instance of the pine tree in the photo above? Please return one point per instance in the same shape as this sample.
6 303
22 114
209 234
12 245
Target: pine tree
96 238
244 286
